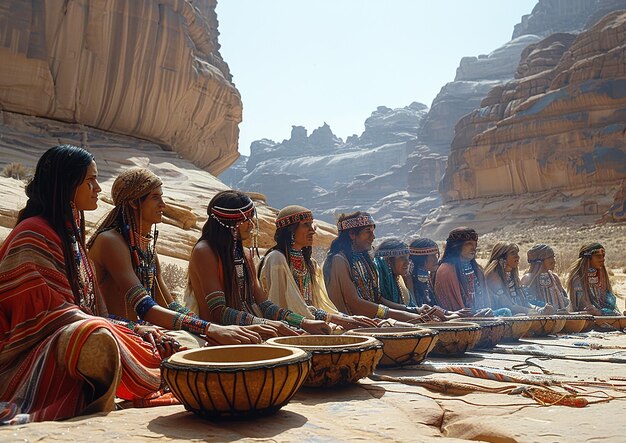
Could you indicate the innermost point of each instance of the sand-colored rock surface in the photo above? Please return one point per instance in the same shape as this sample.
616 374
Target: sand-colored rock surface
187 189
397 411
150 69
558 127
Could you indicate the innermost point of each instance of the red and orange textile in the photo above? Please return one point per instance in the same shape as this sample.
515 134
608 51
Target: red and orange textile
37 308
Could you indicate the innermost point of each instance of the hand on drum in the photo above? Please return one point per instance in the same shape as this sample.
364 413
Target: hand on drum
486 312
352 322
283 329
164 345
230 335
265 330
592 310
548 309
465 312
315 327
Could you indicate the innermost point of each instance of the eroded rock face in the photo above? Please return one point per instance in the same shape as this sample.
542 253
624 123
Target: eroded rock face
560 128
554 16
330 176
149 69
187 189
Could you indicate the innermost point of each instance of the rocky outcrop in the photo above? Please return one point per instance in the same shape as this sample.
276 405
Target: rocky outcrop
187 189
331 176
555 16
557 128
150 69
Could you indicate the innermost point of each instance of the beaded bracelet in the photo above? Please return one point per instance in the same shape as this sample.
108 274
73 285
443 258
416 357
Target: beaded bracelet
382 311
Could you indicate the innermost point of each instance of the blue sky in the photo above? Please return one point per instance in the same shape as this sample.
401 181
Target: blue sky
306 62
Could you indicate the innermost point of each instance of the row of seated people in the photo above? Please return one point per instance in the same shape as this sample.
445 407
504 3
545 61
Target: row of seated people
93 319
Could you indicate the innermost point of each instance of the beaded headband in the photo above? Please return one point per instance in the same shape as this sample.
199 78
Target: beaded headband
597 248
391 252
356 222
293 218
462 234
424 251
237 214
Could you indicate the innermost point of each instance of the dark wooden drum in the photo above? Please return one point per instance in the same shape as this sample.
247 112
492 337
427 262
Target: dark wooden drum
401 346
491 332
236 381
455 338
336 359
609 323
516 327
543 326
575 323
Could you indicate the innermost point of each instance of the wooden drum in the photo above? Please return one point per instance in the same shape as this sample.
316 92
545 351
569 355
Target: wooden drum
516 327
336 359
545 325
236 381
575 323
454 337
401 346
609 323
491 332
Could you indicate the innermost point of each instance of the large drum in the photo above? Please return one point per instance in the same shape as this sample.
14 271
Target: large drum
609 323
236 381
336 359
491 332
516 327
575 323
454 337
545 325
401 346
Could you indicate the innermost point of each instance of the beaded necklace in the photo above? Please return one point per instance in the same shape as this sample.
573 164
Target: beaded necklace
365 277
423 287
301 274
85 273
143 252
597 286
471 285
517 298
241 273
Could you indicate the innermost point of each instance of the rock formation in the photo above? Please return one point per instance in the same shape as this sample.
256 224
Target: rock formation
331 176
149 69
187 189
557 128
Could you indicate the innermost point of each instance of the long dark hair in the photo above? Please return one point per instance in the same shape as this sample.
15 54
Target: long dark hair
59 172
452 255
283 238
220 239
343 243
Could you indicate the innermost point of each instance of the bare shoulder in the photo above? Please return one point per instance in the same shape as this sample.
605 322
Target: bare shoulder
107 242
201 254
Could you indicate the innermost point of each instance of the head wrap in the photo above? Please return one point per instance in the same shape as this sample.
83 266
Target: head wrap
355 221
423 246
291 215
392 249
461 235
234 215
539 253
589 249
132 184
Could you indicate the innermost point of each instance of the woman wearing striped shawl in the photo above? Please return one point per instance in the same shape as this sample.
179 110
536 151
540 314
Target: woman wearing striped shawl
57 359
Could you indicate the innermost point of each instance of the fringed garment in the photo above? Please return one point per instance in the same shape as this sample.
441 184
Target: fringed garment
43 333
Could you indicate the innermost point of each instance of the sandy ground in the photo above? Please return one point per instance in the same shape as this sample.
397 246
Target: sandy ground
394 411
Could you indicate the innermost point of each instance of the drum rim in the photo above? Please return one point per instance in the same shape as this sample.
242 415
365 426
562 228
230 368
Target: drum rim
369 343
297 355
466 326
379 334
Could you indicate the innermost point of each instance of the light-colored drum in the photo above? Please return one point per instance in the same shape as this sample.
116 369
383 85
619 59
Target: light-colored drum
401 346
575 323
545 325
455 338
609 323
236 381
491 332
336 359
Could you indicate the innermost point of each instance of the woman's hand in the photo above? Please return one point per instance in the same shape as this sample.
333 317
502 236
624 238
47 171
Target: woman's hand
230 335
591 309
352 322
164 345
315 327
264 330
282 329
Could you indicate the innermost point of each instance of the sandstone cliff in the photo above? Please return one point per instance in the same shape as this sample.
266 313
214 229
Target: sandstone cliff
187 189
149 69
557 128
